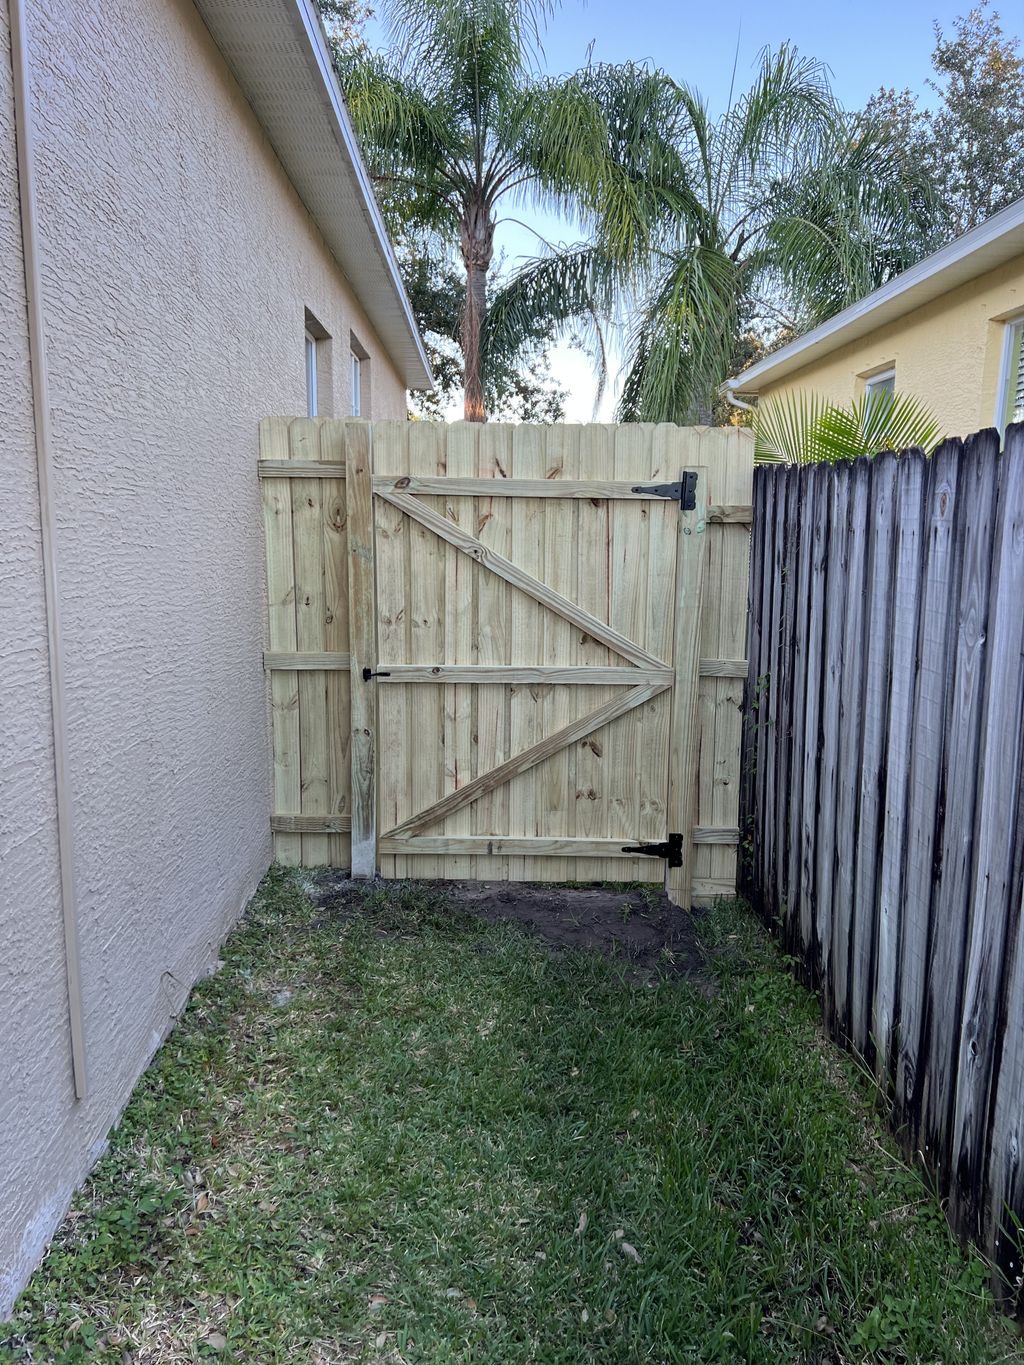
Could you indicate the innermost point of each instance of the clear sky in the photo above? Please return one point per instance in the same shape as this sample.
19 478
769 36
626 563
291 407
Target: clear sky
865 45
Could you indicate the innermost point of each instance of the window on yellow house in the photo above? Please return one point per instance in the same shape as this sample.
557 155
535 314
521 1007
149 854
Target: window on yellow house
878 385
1011 381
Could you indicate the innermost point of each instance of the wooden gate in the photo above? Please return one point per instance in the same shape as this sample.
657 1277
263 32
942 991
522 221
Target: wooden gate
486 649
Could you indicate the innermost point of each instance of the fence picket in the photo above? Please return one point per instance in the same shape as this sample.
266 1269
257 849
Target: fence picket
904 588
927 742
897 726
995 817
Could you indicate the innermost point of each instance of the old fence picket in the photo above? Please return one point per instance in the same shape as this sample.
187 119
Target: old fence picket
883 793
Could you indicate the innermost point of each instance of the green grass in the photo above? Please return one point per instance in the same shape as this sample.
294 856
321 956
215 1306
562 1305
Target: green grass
404 1135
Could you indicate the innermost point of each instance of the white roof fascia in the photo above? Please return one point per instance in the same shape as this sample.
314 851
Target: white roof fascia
984 248
278 53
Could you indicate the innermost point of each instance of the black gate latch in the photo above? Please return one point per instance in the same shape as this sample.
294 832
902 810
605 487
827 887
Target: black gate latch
684 492
369 673
671 850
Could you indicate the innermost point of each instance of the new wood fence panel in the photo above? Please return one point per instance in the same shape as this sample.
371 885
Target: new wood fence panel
562 582
898 728
726 455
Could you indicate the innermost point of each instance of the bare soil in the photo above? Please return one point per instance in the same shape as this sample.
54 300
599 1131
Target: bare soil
637 928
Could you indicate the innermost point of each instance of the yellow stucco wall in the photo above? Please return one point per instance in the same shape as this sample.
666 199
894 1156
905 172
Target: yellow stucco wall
947 354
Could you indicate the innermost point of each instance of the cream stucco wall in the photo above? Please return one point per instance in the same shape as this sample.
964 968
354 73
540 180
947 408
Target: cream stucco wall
947 354
178 263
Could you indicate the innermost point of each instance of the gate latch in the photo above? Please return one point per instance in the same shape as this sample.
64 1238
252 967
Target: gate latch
684 492
369 673
671 850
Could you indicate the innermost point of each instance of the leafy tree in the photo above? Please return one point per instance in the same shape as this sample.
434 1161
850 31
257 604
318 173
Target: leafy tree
344 21
972 143
783 211
455 122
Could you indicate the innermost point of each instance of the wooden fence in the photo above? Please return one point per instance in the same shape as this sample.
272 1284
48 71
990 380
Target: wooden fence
882 792
572 573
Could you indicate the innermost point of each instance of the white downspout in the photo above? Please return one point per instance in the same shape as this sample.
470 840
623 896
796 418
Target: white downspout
730 397
48 526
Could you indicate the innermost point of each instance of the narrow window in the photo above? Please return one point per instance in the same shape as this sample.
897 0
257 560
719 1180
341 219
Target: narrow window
357 385
311 368
1011 380
878 385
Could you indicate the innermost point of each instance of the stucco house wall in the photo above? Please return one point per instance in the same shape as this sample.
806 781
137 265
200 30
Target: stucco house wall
947 354
178 264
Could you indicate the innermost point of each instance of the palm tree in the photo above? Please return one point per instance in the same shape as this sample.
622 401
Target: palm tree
455 120
805 429
786 212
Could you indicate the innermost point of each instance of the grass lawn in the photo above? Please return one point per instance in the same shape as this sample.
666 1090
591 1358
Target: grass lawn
390 1133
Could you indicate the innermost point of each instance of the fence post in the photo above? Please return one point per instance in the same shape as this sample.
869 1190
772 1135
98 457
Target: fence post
362 609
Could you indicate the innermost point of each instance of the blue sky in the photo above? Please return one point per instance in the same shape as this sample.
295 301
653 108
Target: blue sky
865 45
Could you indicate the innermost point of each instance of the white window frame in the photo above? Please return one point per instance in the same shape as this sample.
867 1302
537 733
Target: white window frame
874 382
1011 327
357 385
311 368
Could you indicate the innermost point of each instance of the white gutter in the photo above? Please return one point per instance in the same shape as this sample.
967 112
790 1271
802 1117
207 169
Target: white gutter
48 526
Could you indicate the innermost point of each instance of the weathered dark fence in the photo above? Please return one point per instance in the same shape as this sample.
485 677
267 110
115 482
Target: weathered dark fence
883 775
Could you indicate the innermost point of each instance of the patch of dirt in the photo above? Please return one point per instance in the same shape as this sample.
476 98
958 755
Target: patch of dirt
640 928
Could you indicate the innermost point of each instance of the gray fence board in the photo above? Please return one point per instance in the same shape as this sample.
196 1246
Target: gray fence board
883 795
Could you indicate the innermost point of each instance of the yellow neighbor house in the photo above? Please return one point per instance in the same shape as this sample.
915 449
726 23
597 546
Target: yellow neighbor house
948 331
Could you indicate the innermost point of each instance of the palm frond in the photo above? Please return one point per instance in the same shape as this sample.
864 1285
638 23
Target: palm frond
802 428
684 339
877 422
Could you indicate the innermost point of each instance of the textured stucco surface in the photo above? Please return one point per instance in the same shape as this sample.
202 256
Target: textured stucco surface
178 263
947 354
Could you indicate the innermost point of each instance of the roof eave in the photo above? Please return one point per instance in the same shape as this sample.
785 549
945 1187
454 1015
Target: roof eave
984 248
278 53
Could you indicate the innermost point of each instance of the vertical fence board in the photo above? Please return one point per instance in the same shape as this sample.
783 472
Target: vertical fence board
974 529
897 725
284 688
363 631
817 550
994 835
833 617
875 701
800 588
850 720
904 589
939 580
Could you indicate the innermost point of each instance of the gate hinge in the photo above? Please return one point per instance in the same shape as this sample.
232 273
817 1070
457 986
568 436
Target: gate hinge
369 673
671 850
684 492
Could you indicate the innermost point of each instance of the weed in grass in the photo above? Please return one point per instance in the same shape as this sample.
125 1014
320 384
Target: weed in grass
450 1145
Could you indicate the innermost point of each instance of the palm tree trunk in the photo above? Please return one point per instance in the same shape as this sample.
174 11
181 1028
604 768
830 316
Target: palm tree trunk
477 232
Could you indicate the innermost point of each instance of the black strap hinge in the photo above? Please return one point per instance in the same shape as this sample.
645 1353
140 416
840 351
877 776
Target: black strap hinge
369 673
671 850
684 492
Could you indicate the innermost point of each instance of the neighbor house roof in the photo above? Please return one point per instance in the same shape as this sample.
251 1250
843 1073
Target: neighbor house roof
278 53
985 247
